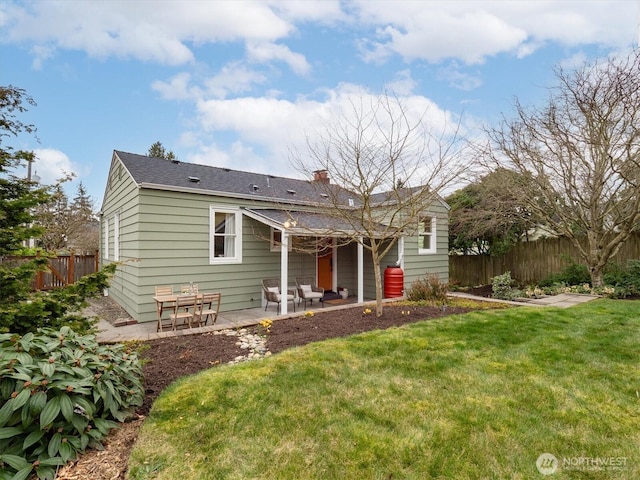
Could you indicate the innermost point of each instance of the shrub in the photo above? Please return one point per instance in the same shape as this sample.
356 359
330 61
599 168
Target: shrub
429 289
25 311
573 274
624 278
61 392
502 287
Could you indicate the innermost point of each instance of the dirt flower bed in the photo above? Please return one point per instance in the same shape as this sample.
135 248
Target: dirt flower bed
168 359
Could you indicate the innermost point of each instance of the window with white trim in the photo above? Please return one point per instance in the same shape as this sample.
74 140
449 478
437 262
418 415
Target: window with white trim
225 235
105 238
276 240
427 235
116 236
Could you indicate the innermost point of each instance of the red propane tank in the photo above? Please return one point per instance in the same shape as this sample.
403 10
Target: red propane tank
393 282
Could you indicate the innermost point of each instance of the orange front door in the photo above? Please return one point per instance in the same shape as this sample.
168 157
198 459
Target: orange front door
325 271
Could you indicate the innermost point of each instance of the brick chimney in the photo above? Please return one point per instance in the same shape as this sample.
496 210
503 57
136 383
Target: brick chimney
321 176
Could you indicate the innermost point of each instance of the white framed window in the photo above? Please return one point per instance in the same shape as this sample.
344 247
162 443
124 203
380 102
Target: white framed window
276 241
225 235
116 236
105 238
427 235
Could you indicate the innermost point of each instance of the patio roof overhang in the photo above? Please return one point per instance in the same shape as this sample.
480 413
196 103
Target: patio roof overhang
302 223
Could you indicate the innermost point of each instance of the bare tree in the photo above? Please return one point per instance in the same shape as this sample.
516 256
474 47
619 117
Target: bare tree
582 153
386 166
54 218
67 225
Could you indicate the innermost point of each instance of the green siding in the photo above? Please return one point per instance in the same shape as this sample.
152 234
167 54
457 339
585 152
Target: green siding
417 266
121 198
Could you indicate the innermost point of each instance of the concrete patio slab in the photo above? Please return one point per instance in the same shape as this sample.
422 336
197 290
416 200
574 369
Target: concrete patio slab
563 300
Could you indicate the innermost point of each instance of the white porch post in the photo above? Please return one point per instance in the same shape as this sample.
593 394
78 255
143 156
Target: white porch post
360 271
334 272
284 272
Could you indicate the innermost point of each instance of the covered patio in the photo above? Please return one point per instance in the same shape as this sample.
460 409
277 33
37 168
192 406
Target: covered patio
322 227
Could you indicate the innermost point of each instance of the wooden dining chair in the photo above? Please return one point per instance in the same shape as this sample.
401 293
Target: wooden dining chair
208 306
191 288
183 310
164 290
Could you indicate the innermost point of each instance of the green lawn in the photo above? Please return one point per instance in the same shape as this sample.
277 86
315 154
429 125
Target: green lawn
476 396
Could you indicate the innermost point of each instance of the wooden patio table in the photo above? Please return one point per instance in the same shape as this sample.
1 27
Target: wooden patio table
167 301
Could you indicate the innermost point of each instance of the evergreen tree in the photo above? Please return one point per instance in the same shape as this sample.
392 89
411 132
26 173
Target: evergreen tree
18 196
157 150
22 310
83 233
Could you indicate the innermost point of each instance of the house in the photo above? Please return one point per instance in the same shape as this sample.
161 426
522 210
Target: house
172 223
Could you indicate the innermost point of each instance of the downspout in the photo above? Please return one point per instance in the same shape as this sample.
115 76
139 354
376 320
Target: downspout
400 261
360 271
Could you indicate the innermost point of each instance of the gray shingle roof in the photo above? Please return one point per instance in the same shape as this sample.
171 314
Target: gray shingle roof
180 175
306 222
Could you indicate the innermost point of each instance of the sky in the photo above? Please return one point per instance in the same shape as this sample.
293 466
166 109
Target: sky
240 84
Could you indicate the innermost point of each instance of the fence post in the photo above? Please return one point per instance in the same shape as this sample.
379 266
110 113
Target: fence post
97 261
39 276
71 274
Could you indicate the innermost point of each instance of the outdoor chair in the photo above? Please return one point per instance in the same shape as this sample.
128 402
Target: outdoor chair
308 291
208 306
191 288
273 293
164 290
184 310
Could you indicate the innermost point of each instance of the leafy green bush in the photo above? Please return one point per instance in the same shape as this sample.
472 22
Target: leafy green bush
61 392
573 274
25 311
624 278
502 287
429 289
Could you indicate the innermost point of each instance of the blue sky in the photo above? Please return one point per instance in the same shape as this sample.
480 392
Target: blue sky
239 83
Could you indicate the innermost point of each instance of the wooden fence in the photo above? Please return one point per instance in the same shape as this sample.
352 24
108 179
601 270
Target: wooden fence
528 262
62 270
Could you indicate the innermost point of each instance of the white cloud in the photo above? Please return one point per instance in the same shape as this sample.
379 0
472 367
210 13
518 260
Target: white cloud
403 84
166 31
266 52
51 165
323 11
268 128
177 88
471 31
460 79
158 31
574 60
233 78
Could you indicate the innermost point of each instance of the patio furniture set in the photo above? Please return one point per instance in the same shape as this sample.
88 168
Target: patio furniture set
304 291
189 308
